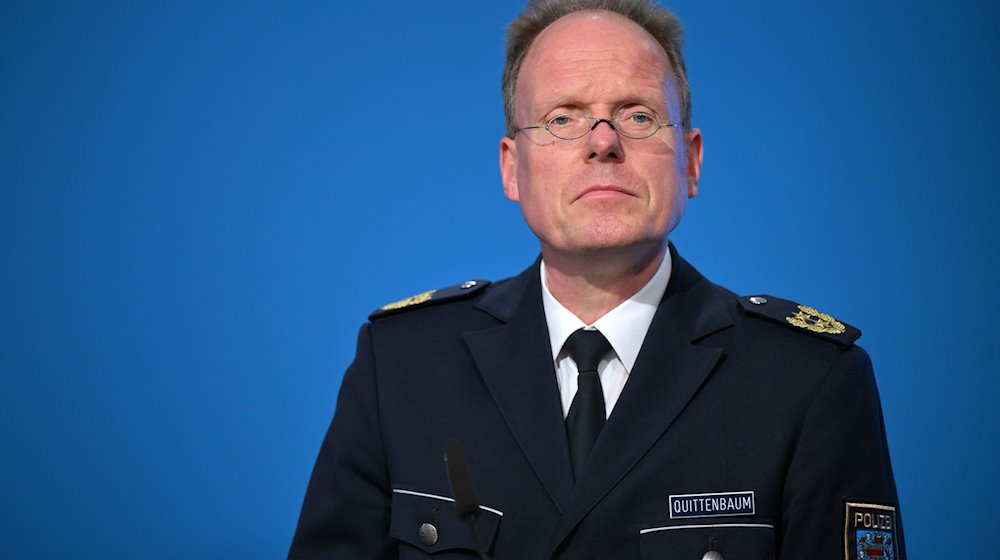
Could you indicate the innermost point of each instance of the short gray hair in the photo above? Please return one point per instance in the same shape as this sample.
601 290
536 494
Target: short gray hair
659 22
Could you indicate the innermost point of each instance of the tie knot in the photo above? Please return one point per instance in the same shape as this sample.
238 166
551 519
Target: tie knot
587 348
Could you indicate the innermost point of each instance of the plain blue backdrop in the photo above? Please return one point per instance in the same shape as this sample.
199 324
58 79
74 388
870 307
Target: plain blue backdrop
201 202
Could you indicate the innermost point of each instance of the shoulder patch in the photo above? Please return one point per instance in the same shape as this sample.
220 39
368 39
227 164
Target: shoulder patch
870 531
458 291
802 317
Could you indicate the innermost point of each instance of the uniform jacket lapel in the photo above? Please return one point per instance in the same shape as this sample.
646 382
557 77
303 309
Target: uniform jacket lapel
515 360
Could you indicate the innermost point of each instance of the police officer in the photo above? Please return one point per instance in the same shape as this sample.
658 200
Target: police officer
612 401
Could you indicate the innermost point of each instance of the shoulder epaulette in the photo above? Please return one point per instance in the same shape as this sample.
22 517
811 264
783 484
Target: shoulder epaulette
802 317
458 291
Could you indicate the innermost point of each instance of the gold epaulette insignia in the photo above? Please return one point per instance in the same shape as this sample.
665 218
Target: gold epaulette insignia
812 320
406 302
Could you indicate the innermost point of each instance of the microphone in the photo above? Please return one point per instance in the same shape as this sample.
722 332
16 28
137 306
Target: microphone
464 491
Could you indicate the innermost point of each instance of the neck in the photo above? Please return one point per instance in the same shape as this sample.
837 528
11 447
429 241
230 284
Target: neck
593 283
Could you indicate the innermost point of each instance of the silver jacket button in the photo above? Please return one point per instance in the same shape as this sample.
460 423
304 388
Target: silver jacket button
429 534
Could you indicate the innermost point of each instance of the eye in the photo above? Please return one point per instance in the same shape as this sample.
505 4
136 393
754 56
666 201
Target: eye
640 118
560 120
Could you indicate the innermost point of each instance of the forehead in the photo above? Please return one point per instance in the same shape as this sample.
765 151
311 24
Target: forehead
597 55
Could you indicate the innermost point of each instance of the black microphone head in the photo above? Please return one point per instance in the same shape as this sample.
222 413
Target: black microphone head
460 480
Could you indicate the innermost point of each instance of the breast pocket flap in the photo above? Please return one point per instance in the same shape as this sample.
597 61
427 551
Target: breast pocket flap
430 523
752 539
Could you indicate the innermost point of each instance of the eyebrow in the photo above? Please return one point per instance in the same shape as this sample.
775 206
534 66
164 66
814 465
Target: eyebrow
631 100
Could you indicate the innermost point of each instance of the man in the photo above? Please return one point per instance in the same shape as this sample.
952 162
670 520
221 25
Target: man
612 402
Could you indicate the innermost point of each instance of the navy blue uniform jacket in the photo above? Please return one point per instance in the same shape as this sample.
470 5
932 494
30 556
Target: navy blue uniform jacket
719 401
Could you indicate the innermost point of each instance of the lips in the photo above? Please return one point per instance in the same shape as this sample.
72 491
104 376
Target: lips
599 190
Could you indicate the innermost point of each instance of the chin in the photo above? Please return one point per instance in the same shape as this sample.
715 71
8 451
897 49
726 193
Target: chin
614 244
612 234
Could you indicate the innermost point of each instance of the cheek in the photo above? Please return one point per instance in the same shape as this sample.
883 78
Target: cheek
669 190
537 181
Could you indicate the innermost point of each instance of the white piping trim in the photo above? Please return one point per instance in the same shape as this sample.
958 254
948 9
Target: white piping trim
755 525
445 498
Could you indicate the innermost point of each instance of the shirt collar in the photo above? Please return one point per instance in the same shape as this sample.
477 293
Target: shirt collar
624 326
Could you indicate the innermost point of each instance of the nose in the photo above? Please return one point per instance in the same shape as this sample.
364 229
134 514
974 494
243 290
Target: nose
604 142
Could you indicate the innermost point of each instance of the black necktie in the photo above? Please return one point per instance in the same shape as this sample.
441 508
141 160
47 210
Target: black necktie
586 414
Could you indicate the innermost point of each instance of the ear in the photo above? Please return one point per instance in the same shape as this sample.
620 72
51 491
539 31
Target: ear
508 168
693 155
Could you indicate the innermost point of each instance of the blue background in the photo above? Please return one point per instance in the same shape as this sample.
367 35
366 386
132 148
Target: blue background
201 202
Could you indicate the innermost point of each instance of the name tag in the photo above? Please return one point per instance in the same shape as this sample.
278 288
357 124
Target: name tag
712 505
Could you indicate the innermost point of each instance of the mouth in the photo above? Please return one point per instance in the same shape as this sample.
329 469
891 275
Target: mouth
595 191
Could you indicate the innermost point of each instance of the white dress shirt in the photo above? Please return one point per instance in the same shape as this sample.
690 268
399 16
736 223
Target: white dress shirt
624 326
